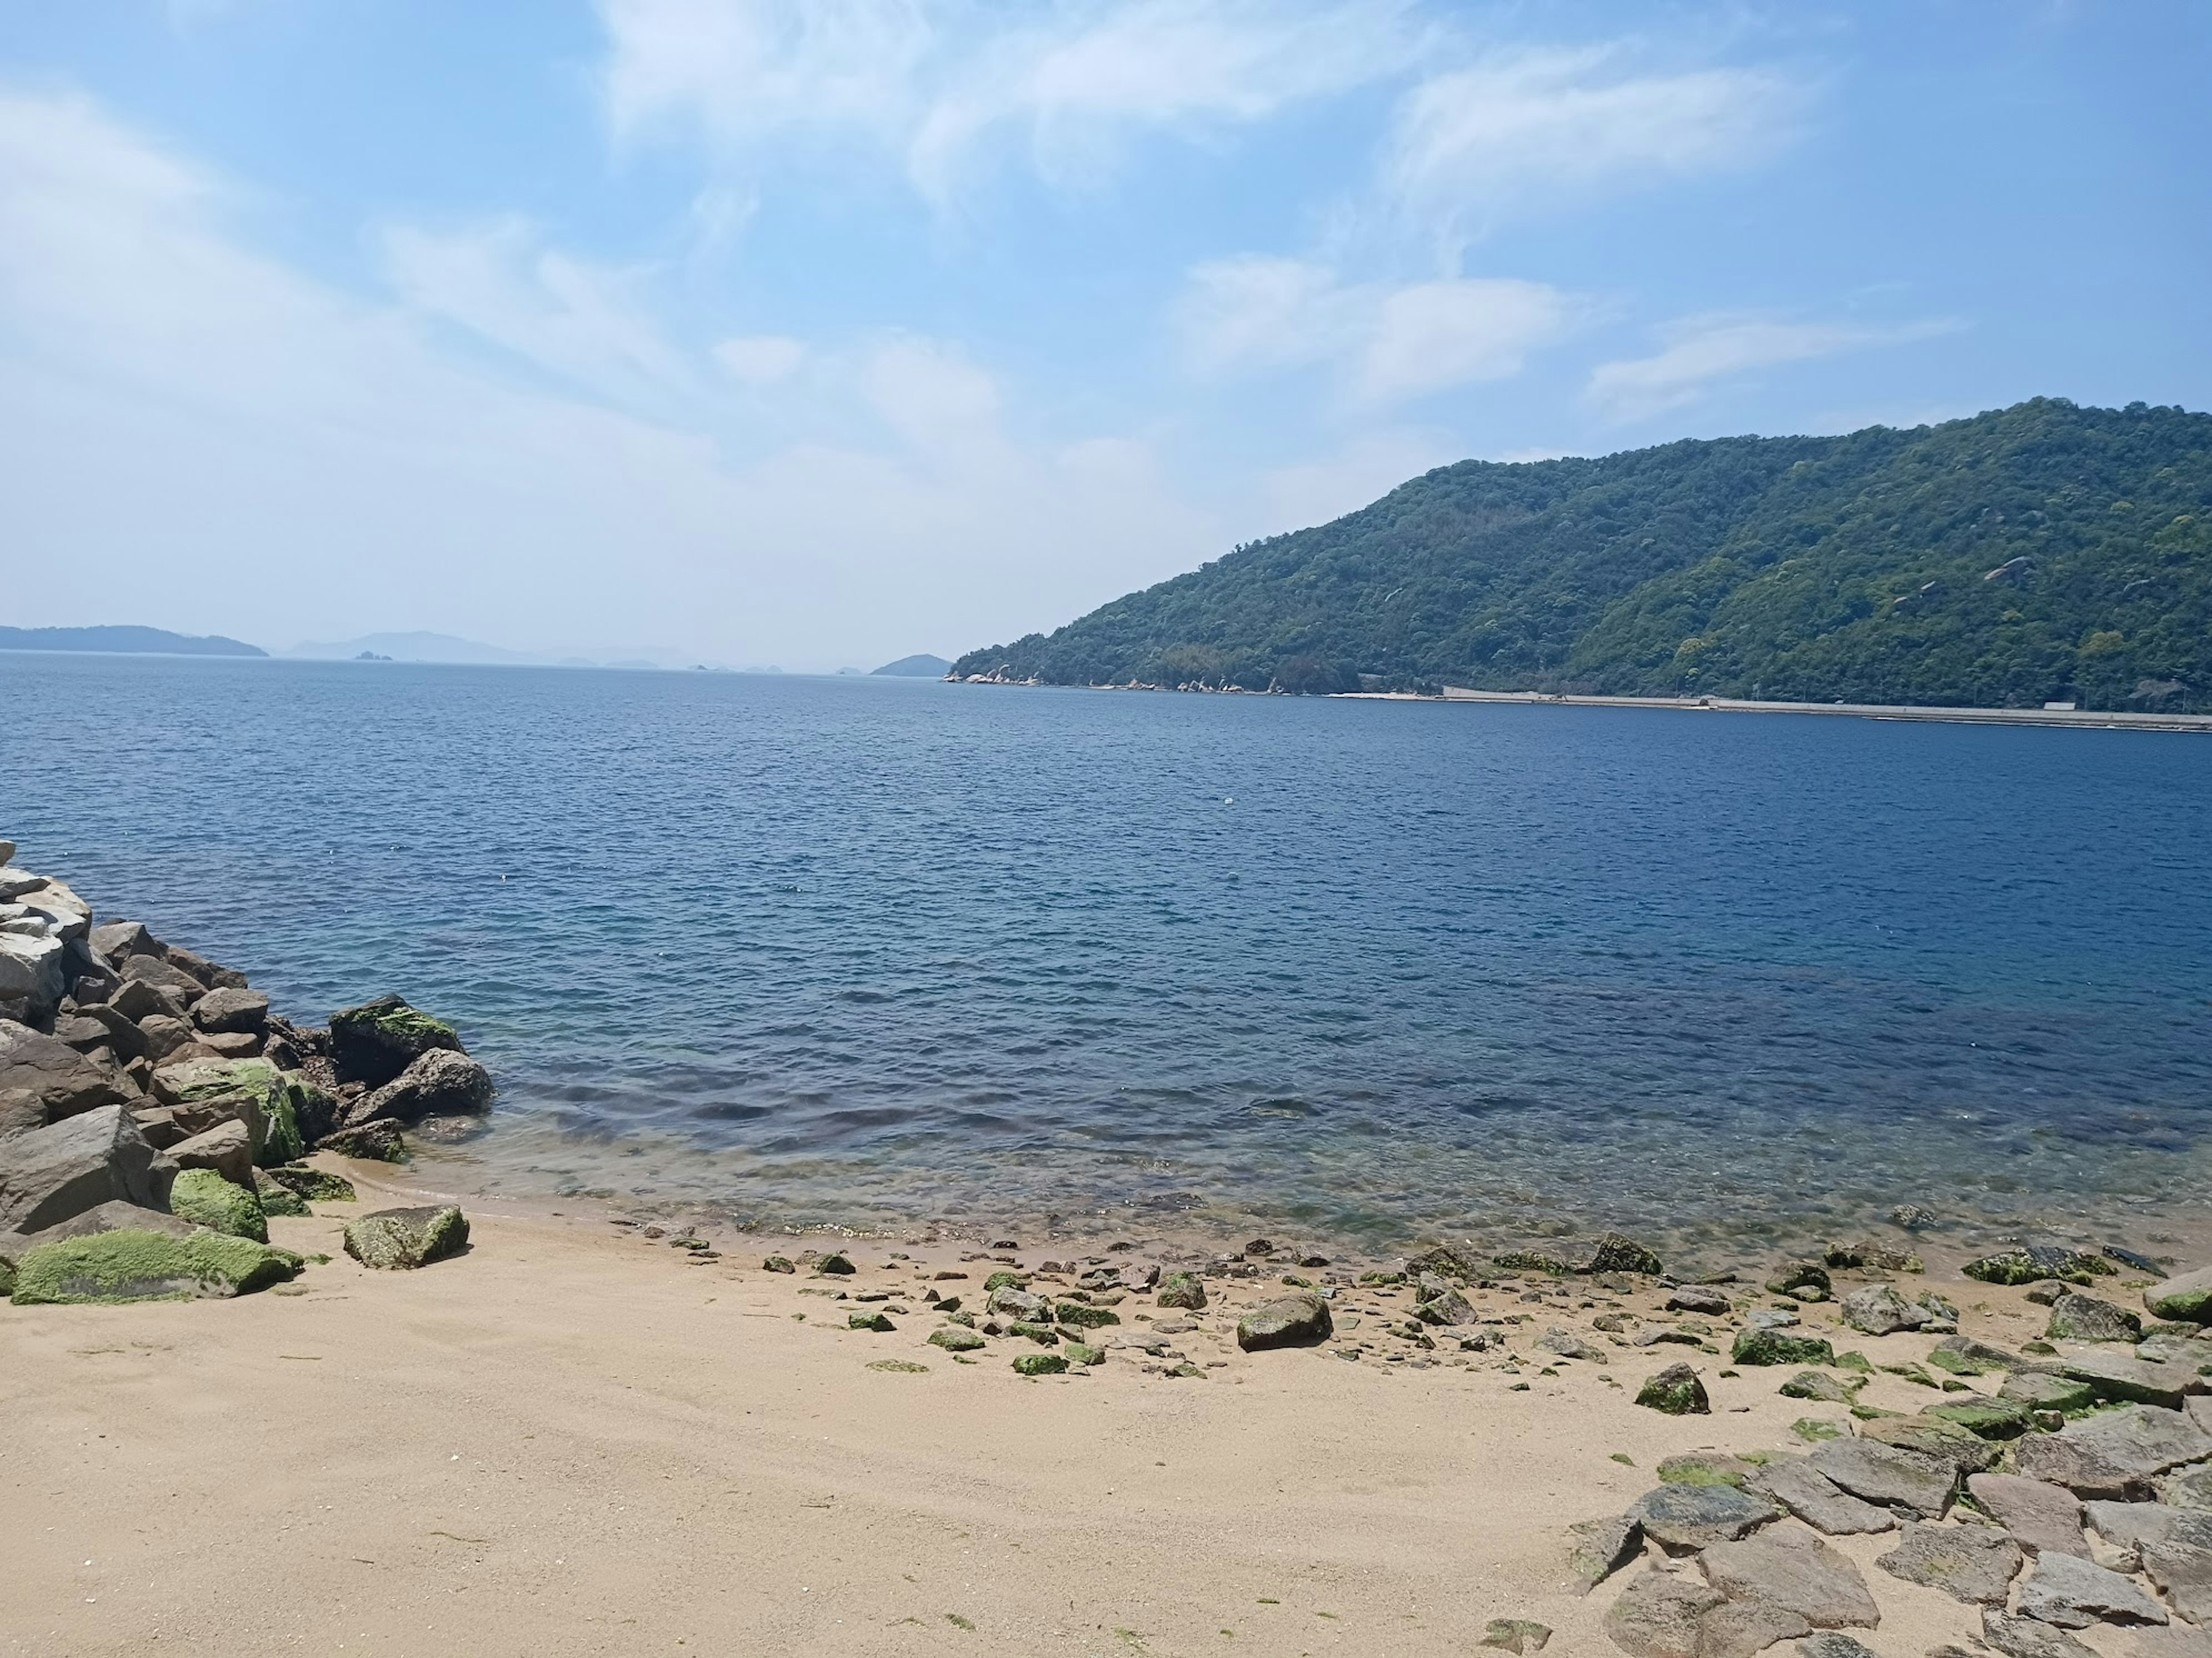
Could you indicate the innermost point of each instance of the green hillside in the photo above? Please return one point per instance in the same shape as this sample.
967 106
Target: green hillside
2040 553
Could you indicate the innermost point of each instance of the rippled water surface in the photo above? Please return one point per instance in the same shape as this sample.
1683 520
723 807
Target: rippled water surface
857 950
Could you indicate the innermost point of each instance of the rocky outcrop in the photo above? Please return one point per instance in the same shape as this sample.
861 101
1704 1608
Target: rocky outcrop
374 1043
50 1173
443 1082
403 1239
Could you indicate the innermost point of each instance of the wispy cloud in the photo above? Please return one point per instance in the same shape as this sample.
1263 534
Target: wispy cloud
1391 342
1535 128
1700 352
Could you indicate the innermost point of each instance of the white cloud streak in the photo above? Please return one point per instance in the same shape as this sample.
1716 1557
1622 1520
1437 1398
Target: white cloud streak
1701 353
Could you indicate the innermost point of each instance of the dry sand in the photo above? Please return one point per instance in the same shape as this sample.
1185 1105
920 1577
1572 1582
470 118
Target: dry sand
567 1442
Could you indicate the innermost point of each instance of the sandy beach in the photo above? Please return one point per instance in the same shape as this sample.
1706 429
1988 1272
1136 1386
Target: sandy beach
573 1440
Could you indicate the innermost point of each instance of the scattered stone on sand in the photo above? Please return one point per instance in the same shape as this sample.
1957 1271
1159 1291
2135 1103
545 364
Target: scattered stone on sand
1700 1298
1878 1311
145 1265
2187 1298
1832 1643
1986 1418
1182 1289
2040 1390
878 1322
1040 1364
2024 1638
1698 1516
1741 1629
1444 1305
2031 1263
403 1239
2074 1593
1933 1436
1615 1254
1292 1320
1807 1280
1598 1548
209 1199
1802 1489
2121 1376
2075 1317
1757 1346
1521 1635
1659 1614
1676 1391
1968 1562
2039 1516
1797 1570
1567 1345
835 1264
1817 1385
1884 1473
954 1339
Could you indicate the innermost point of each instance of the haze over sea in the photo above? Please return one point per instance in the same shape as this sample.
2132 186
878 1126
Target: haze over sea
860 951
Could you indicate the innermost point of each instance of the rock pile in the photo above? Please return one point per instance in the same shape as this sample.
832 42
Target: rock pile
154 1112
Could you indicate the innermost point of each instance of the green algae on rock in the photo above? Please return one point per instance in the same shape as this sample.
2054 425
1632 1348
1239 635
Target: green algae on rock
277 1199
206 1198
1293 1321
2031 1263
954 1339
312 1185
134 1266
1085 1317
1040 1364
837 1264
1184 1290
403 1239
374 1042
1756 1346
1676 1391
876 1322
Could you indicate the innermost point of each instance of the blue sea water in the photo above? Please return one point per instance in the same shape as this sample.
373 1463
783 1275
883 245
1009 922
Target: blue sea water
869 951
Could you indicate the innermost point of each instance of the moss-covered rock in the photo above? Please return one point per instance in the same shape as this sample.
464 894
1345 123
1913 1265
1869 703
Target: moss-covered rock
403 1239
1756 1346
374 1042
2186 1299
1531 1261
876 1322
1805 1279
1615 1254
778 1264
837 1264
1000 1280
1815 1430
206 1198
1676 1391
1082 1353
2031 1263
1044 1334
1040 1364
1986 1418
312 1185
955 1340
1085 1317
1817 1385
133 1266
372 1142
1183 1290
277 1199
1297 1320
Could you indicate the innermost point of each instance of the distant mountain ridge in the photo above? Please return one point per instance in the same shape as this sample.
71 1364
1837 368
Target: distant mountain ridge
2044 552
124 641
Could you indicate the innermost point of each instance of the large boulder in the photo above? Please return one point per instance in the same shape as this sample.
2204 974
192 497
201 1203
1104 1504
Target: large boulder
407 1238
1796 1570
2074 1593
1879 1311
2187 1298
1886 1473
210 973
148 1266
440 1082
31 969
97 1156
374 1042
2028 1263
224 1009
1297 1320
117 942
268 1101
2041 1516
1699 1517
226 1149
208 1200
154 971
374 1142
1816 1499
1974 1564
62 1081
135 998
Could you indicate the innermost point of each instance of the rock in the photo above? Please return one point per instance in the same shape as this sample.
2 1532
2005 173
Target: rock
1795 1570
1515 1635
1040 1364
1967 1356
226 1149
1459 1261
30 970
1799 1277
1700 1298
1447 1307
1599 1548
2024 1638
1872 1251
168 1041
779 1264
140 1000
2084 1318
236 1045
2118 1375
1016 1302
153 970
61 1081
117 942
2041 1516
1183 1290
143 1266
276 1199
2130 1527
312 1185
207 1199
1615 1254
2188 1488
212 974
1531 1261
1676 1391
1757 1346
407 1238
2074 1593
374 1042
1879 1311
113 1217
1828 1643
1816 1384
1698 1516
2040 1390
1933 1436
1706 1468
227 1009
1883 1473
48 1175
1815 1430
1659 1615
954 1339
1739 1629
1083 1316
1818 1501
1986 1418
2187 1298
1296 1320
1564 1343
371 1142
2184 1575
2028 1264
440 1083
876 1322
2140 1440
1968 1563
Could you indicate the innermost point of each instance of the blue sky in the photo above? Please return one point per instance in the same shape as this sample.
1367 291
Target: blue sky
815 333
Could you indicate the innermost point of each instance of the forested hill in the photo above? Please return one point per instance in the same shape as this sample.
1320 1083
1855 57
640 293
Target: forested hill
2041 553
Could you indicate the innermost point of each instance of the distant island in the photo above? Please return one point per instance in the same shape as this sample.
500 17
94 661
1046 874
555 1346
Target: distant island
922 666
124 641
2045 553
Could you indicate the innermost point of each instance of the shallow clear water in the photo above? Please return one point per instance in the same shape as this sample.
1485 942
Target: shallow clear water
863 951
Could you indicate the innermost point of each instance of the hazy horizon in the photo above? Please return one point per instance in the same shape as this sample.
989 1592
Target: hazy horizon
754 334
